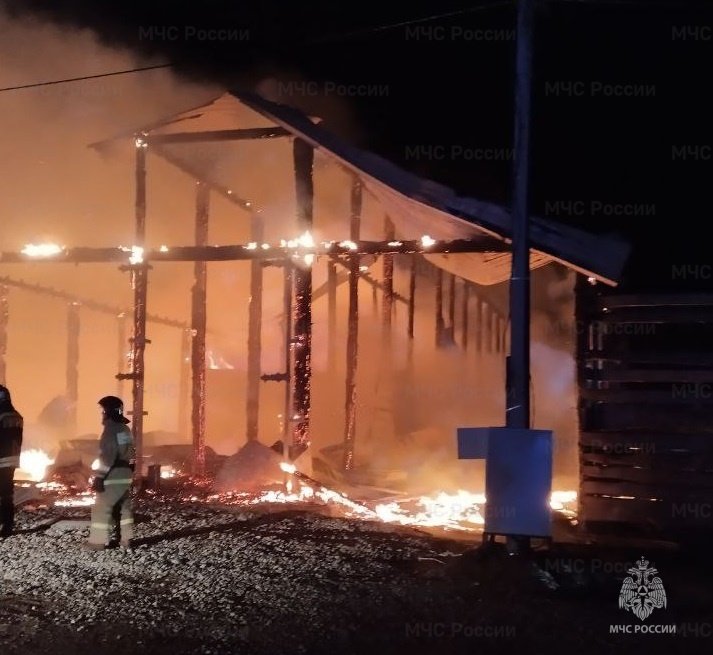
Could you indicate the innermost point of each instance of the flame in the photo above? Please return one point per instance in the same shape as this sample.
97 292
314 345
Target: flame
137 255
41 249
306 240
287 467
348 244
33 465
427 241
168 472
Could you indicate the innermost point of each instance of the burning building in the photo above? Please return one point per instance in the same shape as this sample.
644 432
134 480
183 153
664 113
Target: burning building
361 319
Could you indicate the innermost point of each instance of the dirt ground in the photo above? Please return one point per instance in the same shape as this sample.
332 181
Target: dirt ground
219 581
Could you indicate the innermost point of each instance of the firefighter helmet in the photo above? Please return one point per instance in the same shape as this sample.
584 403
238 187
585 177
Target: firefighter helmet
112 404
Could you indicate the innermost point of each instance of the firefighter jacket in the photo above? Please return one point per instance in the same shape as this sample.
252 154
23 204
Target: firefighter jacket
116 447
11 425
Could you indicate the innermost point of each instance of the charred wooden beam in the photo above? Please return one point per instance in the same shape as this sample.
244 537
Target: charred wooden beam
465 298
479 325
252 410
388 306
451 330
249 134
488 327
199 323
72 365
440 326
139 275
249 251
195 174
121 343
411 296
303 157
287 294
184 383
331 315
86 303
352 330
4 316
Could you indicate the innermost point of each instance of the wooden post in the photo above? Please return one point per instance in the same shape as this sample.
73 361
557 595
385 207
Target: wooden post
451 331
388 307
494 331
352 329
303 155
464 313
252 410
287 303
4 316
411 307
332 316
439 307
479 325
184 385
487 327
121 344
198 325
140 286
72 365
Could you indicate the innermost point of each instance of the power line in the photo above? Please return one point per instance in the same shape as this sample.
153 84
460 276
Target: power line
404 23
85 77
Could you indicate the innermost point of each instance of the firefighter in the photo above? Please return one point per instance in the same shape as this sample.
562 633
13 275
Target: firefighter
11 425
113 478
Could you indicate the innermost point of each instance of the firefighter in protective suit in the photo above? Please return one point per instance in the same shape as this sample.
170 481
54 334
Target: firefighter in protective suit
113 478
11 425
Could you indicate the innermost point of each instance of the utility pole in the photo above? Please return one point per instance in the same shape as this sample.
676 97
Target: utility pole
517 413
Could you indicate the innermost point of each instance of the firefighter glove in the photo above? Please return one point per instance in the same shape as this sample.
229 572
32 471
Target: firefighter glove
98 484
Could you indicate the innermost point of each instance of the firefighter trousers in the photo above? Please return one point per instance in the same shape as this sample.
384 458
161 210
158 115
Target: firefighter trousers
112 509
7 504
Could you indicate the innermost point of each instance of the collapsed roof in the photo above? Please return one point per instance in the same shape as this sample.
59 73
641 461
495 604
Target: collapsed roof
415 206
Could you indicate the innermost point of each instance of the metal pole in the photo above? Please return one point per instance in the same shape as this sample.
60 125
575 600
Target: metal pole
72 364
352 329
140 287
252 409
4 316
303 155
199 320
517 413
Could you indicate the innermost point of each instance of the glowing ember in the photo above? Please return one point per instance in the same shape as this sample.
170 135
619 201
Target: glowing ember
83 499
41 249
559 499
163 249
137 255
251 246
306 240
348 244
168 472
287 467
33 465
427 241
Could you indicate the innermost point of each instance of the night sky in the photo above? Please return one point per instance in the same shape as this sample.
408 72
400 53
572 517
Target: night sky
621 98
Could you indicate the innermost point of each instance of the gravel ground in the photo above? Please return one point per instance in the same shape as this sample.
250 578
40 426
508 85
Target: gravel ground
209 579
